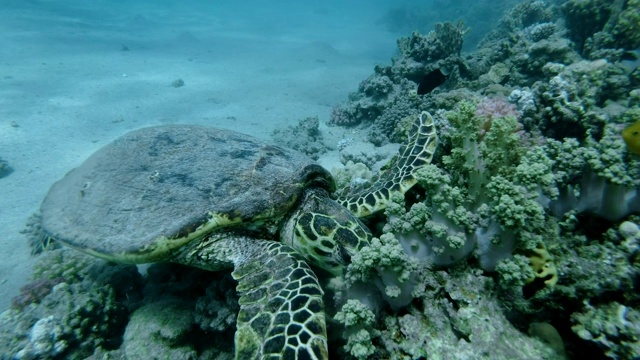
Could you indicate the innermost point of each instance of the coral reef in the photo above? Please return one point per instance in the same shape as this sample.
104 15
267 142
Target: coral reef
522 240
37 240
455 316
160 330
80 307
217 309
603 29
444 41
356 317
352 175
74 305
549 335
385 265
531 181
390 94
480 15
374 96
34 292
585 18
367 154
486 191
613 326
540 31
626 30
304 137
570 103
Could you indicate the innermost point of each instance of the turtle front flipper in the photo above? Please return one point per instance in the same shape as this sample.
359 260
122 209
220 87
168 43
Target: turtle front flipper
416 153
281 310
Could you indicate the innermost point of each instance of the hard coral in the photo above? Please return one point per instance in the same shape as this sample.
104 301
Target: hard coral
305 137
75 304
540 31
585 17
456 318
613 327
160 330
343 116
527 13
445 40
627 28
570 100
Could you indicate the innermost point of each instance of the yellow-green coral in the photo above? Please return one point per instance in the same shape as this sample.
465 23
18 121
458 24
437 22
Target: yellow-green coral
543 266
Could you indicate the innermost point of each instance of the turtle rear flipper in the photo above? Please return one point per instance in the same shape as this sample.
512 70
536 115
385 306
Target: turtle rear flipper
281 310
399 177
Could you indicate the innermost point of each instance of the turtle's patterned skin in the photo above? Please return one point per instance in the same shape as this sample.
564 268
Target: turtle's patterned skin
216 199
316 224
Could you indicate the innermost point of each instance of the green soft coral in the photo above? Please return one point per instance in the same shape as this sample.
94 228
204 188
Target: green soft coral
598 176
382 255
514 272
358 320
514 206
449 201
502 148
534 172
608 158
465 153
490 188
496 169
568 156
444 217
481 148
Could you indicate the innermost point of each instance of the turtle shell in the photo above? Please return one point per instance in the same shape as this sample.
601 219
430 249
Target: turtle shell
158 188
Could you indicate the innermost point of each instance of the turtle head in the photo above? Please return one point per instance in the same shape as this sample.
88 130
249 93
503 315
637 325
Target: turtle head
324 232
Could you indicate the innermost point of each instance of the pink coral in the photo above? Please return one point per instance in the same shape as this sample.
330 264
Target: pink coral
34 292
492 108
496 107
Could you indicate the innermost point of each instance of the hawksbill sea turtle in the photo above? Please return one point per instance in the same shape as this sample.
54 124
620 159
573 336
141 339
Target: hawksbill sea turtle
217 199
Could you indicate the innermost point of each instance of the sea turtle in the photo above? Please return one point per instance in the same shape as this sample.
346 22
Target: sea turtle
217 199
